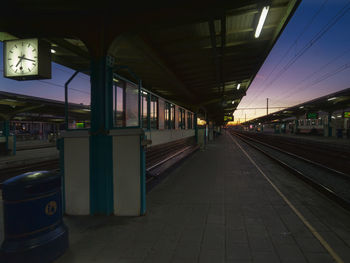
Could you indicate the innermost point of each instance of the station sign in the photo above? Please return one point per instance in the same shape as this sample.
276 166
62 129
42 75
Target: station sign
347 114
79 125
228 118
312 115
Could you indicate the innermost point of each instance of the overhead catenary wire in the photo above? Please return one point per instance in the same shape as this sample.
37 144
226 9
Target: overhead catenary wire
290 48
333 21
305 87
58 85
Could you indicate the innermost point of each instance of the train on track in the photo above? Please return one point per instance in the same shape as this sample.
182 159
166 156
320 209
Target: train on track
319 123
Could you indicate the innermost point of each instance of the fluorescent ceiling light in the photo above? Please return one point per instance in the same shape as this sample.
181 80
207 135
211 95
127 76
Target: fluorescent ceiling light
301 107
332 98
238 86
86 110
53 51
261 21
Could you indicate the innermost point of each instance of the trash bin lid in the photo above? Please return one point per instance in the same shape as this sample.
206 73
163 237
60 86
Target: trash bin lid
31 184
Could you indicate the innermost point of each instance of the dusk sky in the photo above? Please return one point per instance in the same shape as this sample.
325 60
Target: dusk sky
324 67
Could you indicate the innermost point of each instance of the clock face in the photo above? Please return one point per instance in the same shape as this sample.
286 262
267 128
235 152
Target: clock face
21 57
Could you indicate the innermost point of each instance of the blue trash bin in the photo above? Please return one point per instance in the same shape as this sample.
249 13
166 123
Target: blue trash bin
34 229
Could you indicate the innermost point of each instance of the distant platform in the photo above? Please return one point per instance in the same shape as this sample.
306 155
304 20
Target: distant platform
218 207
25 157
33 144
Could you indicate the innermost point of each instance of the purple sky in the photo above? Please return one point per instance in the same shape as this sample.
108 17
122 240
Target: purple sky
313 75
79 88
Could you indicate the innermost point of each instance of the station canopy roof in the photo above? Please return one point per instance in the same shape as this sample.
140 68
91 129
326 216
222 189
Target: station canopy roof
192 52
332 102
27 108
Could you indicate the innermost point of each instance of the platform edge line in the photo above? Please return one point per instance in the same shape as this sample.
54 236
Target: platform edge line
295 210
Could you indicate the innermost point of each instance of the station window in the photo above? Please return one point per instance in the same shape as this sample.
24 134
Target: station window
181 123
167 116
125 104
144 109
183 119
119 104
154 112
189 120
172 116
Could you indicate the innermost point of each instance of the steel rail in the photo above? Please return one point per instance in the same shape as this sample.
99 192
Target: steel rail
318 186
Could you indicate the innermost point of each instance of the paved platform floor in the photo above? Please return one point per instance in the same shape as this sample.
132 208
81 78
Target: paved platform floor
216 207
29 156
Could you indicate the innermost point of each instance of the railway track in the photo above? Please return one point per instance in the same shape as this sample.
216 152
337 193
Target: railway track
335 156
332 183
9 172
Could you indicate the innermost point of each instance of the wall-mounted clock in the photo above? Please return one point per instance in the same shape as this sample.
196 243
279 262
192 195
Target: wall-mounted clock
27 59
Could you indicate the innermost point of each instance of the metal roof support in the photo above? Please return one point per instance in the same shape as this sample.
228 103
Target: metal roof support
215 52
66 99
223 44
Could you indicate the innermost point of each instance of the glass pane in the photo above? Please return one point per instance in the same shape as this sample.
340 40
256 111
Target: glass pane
144 109
131 105
78 102
172 117
161 112
119 107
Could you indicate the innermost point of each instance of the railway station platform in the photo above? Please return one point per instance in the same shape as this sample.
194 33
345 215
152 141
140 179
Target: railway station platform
33 144
218 206
29 156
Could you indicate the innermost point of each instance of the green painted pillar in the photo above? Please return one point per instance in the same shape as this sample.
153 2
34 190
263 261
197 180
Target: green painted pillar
195 127
7 132
101 165
330 125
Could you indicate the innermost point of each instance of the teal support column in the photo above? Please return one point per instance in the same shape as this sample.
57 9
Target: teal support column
14 144
60 147
7 133
148 111
101 164
330 125
143 176
195 127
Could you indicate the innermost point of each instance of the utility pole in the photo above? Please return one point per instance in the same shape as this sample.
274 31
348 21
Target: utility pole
267 106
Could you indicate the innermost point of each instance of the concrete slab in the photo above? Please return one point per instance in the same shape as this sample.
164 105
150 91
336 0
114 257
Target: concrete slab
216 207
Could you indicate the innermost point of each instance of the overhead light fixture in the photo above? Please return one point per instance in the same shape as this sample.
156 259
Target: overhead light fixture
53 51
11 100
262 18
233 102
301 107
238 86
86 110
332 98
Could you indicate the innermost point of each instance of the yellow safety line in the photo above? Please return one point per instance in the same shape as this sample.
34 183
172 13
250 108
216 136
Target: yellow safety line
296 211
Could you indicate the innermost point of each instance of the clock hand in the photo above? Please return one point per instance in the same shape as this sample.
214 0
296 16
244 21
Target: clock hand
19 61
29 59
